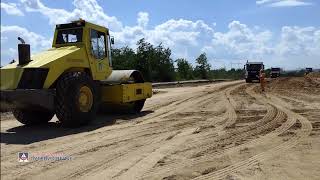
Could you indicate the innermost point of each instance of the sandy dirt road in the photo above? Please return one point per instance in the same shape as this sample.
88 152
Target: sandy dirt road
226 130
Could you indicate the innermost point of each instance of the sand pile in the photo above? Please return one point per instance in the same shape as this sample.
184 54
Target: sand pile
305 84
314 75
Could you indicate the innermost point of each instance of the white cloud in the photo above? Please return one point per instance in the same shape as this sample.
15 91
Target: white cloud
184 37
176 34
283 3
38 41
11 8
4 39
172 33
184 31
10 33
264 1
86 9
299 40
240 42
293 47
143 19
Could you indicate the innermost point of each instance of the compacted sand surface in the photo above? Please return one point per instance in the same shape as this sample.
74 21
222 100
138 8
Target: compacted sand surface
227 130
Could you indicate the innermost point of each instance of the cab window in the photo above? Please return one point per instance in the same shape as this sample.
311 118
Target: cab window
98 44
65 36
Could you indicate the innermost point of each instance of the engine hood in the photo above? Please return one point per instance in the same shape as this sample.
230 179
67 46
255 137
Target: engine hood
45 57
56 60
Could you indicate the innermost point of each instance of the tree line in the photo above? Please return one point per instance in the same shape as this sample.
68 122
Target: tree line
156 64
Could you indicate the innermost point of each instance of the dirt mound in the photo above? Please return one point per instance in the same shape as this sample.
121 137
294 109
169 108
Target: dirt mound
314 75
304 84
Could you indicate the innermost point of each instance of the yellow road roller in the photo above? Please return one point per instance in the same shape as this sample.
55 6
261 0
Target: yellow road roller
73 79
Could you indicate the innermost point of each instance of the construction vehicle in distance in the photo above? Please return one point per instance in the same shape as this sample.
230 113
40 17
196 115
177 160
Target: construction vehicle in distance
275 72
308 70
73 79
252 71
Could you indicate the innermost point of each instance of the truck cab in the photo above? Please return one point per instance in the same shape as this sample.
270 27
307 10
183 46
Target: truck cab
252 71
308 70
275 72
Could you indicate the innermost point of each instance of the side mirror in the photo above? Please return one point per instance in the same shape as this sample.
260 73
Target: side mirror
112 40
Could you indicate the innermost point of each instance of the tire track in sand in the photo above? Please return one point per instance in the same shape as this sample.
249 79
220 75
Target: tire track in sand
201 98
303 132
267 122
92 136
147 162
231 115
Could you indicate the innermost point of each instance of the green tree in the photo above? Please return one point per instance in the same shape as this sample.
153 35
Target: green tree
184 69
224 74
123 58
203 67
154 62
144 56
162 64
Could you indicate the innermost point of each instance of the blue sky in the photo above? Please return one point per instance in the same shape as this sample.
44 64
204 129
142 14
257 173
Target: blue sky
279 32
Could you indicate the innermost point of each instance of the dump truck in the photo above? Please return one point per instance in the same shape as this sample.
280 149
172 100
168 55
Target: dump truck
275 72
72 80
252 71
308 70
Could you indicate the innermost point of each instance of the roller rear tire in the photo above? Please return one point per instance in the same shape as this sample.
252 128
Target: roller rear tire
32 117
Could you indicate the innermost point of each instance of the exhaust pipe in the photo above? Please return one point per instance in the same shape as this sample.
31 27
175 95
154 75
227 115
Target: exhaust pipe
23 52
